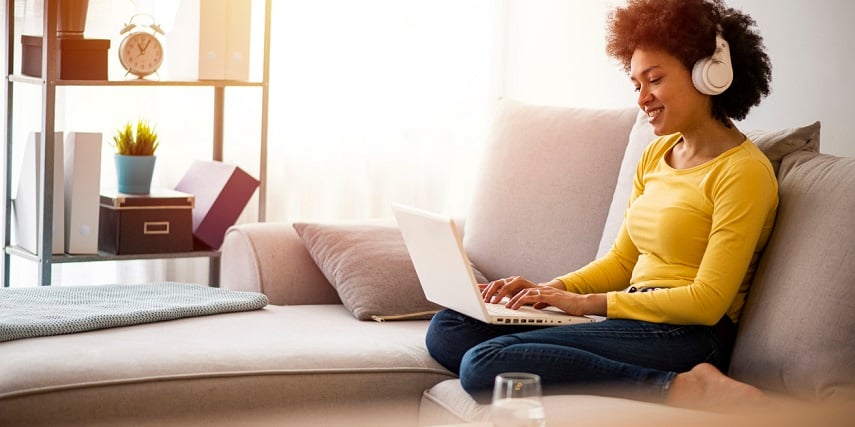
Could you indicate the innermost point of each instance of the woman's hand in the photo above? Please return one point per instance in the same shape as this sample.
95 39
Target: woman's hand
571 303
521 291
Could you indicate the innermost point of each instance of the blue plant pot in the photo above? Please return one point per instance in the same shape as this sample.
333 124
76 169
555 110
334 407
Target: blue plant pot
134 173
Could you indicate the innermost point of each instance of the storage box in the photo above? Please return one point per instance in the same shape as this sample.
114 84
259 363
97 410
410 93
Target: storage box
221 191
160 222
77 59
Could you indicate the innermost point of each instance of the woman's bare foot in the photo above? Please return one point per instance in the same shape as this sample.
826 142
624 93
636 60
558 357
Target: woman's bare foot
705 387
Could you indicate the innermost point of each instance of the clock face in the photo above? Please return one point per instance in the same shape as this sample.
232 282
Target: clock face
141 54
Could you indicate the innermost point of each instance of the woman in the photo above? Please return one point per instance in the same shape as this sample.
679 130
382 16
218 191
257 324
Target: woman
702 208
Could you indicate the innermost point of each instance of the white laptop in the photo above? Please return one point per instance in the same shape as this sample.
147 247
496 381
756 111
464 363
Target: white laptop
446 275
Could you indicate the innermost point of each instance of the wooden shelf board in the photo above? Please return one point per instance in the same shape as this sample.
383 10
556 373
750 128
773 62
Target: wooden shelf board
138 82
103 256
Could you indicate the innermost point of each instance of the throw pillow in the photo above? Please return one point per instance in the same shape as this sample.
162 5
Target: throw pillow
370 268
795 334
777 144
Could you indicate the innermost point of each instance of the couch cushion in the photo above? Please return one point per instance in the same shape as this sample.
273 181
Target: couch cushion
294 358
544 189
369 266
795 335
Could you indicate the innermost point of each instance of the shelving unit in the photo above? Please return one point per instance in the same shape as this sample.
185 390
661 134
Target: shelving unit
49 85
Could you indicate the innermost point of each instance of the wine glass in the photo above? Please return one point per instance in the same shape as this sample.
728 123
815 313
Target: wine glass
516 401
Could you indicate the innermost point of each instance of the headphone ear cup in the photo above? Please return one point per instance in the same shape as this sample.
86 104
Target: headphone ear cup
711 77
698 76
714 74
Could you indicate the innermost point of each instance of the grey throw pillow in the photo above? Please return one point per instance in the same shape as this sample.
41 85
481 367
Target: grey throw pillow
370 268
779 143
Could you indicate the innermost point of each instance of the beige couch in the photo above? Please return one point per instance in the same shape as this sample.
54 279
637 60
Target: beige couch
553 185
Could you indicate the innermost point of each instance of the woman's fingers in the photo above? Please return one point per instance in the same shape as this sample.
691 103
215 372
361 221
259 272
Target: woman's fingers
531 296
490 289
494 291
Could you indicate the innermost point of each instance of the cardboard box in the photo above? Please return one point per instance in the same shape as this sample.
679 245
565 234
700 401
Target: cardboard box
77 59
159 222
221 191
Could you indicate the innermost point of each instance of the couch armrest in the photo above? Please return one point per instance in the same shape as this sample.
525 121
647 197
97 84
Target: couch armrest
271 258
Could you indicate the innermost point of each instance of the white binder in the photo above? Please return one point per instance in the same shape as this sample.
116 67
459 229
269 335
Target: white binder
82 192
27 207
210 40
224 39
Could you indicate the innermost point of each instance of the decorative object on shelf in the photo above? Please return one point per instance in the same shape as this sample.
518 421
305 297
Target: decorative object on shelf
77 58
135 157
82 191
222 191
224 39
71 19
141 52
158 222
27 204
211 40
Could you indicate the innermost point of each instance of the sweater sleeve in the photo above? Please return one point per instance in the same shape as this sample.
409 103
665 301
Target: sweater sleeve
612 272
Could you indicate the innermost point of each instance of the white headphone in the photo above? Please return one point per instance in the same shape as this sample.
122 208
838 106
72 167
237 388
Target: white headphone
714 74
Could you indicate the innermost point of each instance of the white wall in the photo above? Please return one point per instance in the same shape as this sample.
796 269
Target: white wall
810 45
556 55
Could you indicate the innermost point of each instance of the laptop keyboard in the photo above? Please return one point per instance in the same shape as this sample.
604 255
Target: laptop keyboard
501 310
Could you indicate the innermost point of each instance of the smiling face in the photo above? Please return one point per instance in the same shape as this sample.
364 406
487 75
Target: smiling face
666 93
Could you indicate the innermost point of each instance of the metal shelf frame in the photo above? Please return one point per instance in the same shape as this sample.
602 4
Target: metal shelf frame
49 84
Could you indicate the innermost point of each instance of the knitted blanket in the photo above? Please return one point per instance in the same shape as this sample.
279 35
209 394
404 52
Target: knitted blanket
55 310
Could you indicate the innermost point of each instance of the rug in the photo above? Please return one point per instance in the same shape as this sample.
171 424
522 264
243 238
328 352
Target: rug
55 310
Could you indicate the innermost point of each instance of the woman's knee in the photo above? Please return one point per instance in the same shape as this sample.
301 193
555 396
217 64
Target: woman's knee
441 330
446 338
478 368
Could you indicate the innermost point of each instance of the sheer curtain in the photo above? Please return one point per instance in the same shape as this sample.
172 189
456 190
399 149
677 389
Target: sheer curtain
378 101
381 100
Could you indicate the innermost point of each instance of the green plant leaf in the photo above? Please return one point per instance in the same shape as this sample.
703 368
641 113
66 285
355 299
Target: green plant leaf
143 142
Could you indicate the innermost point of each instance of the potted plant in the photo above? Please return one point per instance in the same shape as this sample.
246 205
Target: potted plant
135 147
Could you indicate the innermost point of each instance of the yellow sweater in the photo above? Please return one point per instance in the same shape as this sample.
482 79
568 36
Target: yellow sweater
697 232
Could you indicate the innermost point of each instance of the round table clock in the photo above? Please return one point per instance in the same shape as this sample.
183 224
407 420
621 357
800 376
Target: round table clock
141 52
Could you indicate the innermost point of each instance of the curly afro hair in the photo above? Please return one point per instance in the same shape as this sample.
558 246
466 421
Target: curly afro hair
686 29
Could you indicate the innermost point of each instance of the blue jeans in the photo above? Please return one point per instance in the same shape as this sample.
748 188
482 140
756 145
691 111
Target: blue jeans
616 357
